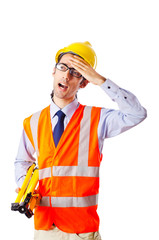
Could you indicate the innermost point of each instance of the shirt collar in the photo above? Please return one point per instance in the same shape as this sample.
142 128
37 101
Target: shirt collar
68 109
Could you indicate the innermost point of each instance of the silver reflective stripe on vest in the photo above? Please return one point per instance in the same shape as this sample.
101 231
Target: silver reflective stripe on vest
79 171
64 171
70 201
83 150
44 173
34 129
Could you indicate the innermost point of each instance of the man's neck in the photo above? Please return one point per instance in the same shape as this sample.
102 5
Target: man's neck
61 103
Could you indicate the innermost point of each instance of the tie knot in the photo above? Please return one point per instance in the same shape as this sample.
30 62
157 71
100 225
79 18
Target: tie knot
60 115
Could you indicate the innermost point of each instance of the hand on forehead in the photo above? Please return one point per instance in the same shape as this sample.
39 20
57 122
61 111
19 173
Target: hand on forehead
74 59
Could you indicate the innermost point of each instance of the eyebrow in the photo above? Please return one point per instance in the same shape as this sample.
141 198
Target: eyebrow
67 66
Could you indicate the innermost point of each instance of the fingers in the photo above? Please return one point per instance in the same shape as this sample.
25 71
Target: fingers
17 190
79 62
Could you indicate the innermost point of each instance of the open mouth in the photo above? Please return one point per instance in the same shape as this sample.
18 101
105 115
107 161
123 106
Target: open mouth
62 86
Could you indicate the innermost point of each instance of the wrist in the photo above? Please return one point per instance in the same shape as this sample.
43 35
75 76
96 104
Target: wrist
101 80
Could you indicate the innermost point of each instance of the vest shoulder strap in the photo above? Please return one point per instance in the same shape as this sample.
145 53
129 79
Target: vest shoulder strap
30 125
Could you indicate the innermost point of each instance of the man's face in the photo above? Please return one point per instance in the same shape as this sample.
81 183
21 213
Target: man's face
65 85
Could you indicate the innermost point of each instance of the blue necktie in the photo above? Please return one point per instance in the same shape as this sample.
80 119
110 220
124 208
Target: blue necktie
59 128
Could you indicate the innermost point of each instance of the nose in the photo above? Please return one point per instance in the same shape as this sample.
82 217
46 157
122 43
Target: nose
66 75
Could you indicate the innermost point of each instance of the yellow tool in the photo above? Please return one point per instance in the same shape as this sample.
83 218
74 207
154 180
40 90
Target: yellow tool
28 197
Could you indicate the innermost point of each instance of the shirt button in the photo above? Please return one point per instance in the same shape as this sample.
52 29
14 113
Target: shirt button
109 87
125 97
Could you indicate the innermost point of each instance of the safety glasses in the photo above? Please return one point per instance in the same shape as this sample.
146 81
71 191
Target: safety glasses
63 67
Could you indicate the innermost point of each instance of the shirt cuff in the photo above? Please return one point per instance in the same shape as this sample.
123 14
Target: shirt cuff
110 88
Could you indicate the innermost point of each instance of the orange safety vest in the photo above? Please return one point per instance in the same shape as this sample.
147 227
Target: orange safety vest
68 173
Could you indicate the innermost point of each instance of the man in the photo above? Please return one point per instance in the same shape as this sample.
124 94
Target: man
68 140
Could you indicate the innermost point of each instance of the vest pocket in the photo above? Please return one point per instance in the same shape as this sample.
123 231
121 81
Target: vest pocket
89 236
85 236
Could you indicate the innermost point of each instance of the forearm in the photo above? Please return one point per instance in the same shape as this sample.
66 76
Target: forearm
127 101
130 113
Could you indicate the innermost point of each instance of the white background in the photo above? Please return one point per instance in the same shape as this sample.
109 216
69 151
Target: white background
125 37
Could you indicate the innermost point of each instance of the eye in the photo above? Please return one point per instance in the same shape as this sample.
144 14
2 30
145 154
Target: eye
61 67
76 74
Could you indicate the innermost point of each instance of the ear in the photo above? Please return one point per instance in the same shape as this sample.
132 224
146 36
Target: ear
84 83
54 70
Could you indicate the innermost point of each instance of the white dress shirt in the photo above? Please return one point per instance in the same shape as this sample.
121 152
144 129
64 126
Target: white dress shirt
111 123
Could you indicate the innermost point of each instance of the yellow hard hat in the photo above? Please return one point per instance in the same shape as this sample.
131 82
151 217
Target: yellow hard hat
83 49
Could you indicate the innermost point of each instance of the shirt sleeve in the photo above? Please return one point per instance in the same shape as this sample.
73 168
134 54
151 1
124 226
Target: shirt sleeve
24 158
113 122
